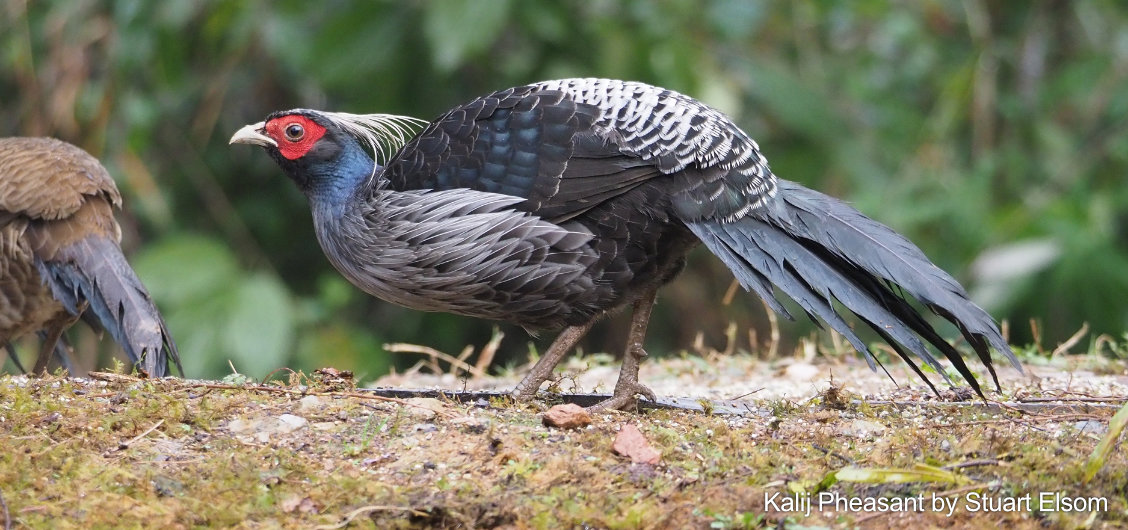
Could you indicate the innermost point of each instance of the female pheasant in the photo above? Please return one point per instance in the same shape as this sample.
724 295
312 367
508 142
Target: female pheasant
551 204
60 259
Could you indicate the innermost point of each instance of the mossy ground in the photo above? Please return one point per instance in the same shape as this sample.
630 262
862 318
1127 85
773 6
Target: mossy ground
123 452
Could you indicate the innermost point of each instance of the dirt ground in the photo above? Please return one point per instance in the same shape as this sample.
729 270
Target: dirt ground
792 443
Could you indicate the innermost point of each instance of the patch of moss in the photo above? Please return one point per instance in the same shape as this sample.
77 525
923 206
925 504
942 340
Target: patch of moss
129 453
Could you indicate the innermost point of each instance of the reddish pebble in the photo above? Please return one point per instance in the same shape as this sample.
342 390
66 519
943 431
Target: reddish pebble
567 416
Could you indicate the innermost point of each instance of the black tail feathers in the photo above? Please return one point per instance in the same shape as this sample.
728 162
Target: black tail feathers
94 271
817 249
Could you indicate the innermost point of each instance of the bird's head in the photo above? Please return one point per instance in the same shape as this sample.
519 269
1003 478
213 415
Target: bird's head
328 149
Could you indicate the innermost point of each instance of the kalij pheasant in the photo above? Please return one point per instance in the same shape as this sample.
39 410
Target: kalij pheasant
550 205
60 259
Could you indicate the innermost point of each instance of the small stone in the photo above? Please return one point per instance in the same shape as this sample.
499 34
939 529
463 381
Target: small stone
632 444
290 423
310 404
424 408
237 426
801 371
567 416
472 424
862 429
1093 427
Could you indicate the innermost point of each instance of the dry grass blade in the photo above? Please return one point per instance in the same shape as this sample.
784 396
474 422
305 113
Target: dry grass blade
489 350
125 445
1071 399
773 322
918 473
976 463
4 508
730 293
365 510
435 355
1071 341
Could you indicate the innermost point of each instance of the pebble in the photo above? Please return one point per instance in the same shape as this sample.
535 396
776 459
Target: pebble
567 416
310 404
289 423
1091 427
860 428
801 371
424 408
472 424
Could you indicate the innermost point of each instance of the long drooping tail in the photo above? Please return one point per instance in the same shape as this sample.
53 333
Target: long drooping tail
93 271
817 249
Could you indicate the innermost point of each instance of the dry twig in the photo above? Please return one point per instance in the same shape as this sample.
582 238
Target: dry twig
975 463
125 445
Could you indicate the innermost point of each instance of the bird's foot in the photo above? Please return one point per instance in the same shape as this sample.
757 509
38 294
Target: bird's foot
526 390
625 398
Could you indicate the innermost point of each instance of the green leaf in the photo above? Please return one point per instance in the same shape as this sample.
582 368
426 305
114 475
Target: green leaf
194 329
182 268
457 29
259 324
1104 448
216 311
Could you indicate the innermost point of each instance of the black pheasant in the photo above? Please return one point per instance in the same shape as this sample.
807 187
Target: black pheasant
552 204
60 259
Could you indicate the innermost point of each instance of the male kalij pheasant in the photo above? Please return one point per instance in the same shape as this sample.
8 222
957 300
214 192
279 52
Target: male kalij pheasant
552 204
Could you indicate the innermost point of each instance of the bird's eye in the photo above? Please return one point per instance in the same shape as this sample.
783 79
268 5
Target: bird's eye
294 132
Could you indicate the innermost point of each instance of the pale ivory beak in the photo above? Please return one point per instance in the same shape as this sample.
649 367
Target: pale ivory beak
252 134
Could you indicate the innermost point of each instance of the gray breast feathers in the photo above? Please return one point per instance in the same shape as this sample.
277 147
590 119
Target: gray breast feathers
461 251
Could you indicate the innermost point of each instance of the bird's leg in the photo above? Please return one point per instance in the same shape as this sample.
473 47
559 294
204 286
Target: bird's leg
628 386
564 342
51 337
15 358
62 353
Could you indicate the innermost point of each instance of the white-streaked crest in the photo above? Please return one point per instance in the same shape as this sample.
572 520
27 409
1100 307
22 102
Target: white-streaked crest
384 133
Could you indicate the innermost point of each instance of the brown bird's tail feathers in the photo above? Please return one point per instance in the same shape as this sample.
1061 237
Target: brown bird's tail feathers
92 271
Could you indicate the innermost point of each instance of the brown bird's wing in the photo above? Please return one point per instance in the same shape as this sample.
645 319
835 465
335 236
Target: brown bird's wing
66 202
45 178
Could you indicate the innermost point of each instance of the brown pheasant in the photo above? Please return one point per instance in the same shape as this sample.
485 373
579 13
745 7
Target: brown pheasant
60 259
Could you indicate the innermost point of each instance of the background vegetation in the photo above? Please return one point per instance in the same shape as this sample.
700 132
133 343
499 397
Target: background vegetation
993 134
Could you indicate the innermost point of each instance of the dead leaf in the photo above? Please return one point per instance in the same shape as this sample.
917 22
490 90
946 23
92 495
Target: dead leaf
567 416
632 444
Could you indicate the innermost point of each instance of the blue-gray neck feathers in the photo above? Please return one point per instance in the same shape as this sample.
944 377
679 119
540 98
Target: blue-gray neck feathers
332 185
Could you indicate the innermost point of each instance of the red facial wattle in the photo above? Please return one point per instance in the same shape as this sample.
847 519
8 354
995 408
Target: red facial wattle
294 146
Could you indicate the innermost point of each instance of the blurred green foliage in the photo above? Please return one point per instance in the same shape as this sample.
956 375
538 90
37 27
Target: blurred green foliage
994 134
